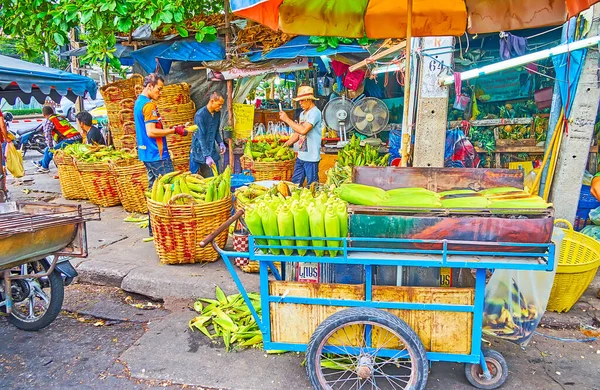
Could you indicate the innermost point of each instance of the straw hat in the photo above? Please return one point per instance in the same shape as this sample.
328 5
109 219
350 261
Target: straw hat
305 92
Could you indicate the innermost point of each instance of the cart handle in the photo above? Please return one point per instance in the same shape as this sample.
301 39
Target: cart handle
207 240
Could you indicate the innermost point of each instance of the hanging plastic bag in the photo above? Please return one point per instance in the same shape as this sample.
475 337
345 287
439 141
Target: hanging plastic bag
515 301
14 160
461 101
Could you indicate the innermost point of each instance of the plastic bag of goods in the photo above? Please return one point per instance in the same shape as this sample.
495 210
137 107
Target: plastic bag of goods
595 216
591 231
516 300
14 160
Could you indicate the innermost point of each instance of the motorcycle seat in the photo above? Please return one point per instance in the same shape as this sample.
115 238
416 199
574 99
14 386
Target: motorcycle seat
25 131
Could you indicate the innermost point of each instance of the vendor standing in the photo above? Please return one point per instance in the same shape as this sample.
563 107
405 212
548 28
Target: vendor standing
149 131
308 135
204 153
58 133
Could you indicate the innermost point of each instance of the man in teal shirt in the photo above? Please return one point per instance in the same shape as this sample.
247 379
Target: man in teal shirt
308 135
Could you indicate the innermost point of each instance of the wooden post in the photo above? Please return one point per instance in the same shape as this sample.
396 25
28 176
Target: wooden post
406 127
229 83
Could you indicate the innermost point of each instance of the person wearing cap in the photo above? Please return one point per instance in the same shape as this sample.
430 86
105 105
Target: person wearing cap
307 133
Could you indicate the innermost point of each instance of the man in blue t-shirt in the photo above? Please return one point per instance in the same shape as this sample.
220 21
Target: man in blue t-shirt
149 131
204 153
308 135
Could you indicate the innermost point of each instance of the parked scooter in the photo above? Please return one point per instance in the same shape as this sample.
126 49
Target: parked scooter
26 139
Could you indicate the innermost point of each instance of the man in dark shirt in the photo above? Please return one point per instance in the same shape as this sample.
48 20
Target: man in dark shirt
91 132
204 152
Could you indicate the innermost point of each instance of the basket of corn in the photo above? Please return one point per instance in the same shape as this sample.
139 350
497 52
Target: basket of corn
268 160
93 164
132 183
71 185
184 208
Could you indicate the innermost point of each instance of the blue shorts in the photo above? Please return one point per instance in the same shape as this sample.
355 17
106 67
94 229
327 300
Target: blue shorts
305 170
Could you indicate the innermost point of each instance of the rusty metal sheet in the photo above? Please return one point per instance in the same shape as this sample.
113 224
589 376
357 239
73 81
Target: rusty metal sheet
437 179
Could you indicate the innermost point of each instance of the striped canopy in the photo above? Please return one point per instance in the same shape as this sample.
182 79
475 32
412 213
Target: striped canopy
388 18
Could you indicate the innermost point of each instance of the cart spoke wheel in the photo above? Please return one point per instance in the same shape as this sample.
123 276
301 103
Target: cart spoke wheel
366 349
40 300
497 367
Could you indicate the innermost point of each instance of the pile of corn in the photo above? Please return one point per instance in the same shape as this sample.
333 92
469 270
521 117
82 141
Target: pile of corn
355 155
203 190
303 215
229 318
95 153
493 198
268 151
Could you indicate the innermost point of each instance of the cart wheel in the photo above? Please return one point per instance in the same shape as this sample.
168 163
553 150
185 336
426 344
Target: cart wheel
497 366
366 347
36 302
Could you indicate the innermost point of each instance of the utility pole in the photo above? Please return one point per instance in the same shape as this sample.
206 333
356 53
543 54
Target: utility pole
574 150
75 65
229 83
432 103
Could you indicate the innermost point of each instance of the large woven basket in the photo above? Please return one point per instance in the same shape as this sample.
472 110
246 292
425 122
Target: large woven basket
578 262
125 142
179 228
174 94
99 183
71 185
132 182
181 164
177 114
277 170
122 89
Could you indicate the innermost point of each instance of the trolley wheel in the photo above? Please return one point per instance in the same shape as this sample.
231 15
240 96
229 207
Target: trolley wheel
366 347
497 366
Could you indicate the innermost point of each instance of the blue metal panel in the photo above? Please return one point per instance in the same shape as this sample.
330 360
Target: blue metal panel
264 302
374 304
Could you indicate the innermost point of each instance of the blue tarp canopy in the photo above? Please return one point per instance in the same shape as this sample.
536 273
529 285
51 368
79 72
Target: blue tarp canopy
299 47
23 80
185 50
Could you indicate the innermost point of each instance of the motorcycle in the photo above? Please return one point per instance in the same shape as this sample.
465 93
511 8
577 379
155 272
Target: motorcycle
26 139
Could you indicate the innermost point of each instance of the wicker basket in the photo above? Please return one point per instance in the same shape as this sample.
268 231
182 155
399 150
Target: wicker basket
122 89
99 183
181 164
71 185
126 142
578 262
277 170
174 94
128 128
178 114
179 228
132 181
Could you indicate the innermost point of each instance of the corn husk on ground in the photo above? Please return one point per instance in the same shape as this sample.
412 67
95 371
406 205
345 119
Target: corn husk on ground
228 318
303 214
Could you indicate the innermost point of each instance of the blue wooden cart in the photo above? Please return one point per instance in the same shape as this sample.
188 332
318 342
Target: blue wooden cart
384 337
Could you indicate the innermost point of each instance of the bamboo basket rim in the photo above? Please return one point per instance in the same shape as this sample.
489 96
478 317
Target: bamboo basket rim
268 165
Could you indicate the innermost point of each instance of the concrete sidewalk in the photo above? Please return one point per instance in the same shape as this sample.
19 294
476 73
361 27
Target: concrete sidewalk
119 257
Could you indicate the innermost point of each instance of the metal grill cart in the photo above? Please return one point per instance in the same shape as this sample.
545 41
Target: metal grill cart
381 335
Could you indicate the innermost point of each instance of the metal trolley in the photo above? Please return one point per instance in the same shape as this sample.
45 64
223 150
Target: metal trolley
383 337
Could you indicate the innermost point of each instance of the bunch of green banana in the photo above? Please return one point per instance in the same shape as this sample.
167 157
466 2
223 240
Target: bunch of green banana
355 155
141 221
203 190
228 317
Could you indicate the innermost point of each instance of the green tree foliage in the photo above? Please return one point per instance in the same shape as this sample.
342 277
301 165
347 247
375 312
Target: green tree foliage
44 25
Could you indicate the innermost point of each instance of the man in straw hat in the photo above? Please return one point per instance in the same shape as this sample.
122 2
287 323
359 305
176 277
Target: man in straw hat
308 135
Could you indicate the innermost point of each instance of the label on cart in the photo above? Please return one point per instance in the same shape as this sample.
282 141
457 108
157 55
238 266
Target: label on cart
307 272
445 277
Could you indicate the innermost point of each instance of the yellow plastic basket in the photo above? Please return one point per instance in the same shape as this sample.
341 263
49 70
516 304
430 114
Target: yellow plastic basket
578 262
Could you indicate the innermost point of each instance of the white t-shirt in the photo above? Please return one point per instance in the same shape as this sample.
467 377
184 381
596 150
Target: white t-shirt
309 145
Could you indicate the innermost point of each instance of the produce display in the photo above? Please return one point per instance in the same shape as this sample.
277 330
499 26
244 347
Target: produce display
354 155
302 219
254 192
268 151
228 317
203 190
271 138
95 153
494 198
